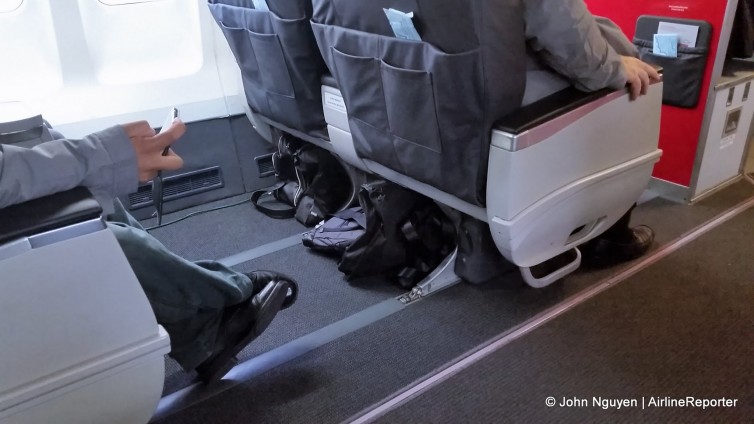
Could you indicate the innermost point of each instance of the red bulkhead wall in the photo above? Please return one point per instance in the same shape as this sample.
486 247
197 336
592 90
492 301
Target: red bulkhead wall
680 128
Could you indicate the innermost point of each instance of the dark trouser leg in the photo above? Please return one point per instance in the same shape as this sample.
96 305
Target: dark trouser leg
188 298
620 243
621 230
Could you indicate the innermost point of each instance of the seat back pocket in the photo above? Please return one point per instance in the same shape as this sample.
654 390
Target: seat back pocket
280 65
411 107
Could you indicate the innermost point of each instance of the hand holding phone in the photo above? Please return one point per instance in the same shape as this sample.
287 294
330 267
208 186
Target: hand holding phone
157 196
172 116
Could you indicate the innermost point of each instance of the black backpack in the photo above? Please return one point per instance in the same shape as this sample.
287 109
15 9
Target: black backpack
406 236
313 183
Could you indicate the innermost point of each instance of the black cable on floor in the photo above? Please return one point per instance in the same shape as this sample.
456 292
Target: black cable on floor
197 213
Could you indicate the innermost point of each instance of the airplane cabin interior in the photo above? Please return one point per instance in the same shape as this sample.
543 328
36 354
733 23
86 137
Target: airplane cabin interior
441 219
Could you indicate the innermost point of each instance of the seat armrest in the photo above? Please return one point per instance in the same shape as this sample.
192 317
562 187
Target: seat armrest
47 213
550 107
547 109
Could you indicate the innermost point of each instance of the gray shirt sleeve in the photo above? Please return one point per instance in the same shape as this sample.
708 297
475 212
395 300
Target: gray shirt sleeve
616 38
570 40
105 162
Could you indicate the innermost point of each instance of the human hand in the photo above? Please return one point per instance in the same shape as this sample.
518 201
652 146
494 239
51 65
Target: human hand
149 147
639 75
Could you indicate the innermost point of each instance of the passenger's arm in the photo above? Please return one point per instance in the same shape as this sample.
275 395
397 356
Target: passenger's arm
109 163
569 39
575 44
615 37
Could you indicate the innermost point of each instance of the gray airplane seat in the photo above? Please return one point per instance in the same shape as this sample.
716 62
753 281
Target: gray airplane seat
280 64
428 94
425 108
281 69
80 343
20 126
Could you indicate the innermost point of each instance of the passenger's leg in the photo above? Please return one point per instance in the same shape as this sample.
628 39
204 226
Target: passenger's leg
200 303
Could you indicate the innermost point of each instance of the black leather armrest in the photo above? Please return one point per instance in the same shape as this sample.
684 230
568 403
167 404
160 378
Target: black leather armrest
329 81
47 213
546 109
21 136
550 107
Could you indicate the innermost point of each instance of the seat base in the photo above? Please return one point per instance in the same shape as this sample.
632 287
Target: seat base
572 215
123 395
93 351
553 187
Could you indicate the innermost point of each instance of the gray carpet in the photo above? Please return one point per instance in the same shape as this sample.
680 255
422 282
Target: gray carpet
672 220
215 235
682 327
324 298
225 232
340 379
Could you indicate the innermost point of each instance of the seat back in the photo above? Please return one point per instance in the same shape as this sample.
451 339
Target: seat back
425 109
281 67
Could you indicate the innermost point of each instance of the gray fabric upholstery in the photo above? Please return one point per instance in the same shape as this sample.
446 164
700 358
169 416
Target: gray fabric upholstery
426 109
280 64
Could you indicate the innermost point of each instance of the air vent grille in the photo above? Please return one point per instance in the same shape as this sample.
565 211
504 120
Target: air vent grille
178 186
264 165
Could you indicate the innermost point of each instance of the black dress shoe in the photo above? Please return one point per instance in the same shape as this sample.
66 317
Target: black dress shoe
261 278
605 252
245 323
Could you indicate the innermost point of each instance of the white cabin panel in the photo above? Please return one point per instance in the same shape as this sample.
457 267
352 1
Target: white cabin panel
29 60
142 40
120 61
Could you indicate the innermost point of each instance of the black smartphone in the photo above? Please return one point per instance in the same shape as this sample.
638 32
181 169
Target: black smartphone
172 115
157 197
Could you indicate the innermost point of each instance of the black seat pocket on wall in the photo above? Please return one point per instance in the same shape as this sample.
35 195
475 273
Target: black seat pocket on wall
281 66
682 75
411 107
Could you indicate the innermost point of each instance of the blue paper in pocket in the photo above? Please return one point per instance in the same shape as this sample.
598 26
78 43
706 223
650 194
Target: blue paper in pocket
665 45
260 5
402 25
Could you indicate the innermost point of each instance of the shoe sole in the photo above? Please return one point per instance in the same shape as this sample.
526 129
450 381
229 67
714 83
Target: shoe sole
226 359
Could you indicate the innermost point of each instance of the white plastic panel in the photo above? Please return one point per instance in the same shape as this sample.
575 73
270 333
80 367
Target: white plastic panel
723 152
342 145
138 41
14 111
335 108
593 203
29 60
7 6
128 396
613 133
67 304
574 184
81 91
122 2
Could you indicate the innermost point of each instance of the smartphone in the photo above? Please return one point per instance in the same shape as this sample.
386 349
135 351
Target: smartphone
172 115
157 181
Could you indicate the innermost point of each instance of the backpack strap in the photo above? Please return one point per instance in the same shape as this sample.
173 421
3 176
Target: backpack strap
423 256
420 253
277 213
